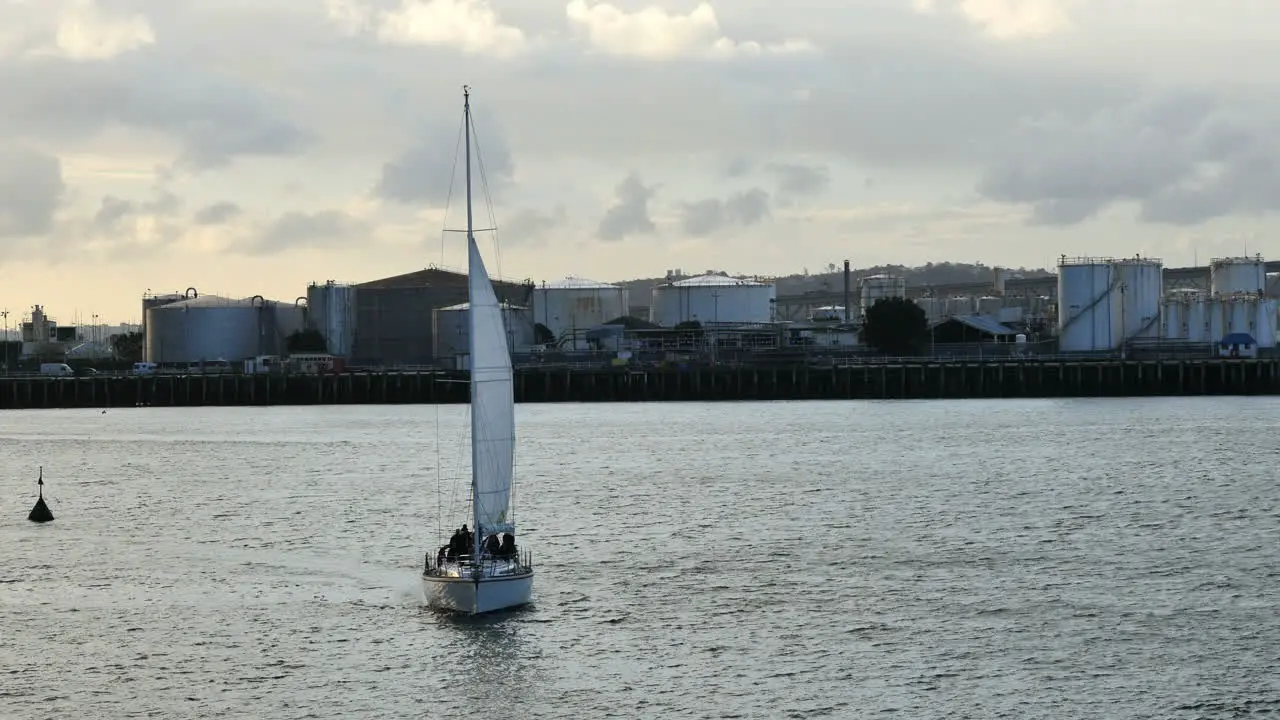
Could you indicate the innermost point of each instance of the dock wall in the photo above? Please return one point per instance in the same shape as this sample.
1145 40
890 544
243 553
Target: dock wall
870 381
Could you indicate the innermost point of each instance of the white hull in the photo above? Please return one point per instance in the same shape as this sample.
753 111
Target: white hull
487 594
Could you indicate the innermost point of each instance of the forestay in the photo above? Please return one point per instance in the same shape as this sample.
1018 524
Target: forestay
492 401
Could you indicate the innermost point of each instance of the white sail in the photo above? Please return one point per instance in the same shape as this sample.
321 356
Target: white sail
493 421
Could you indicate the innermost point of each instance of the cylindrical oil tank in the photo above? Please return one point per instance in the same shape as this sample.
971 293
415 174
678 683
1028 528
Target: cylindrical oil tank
960 305
877 287
1246 313
331 309
1142 287
1197 322
216 328
713 299
449 329
1173 317
1237 275
575 303
1265 325
933 307
149 301
1088 316
989 305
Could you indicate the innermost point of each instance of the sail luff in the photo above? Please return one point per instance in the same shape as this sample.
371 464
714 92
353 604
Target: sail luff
471 334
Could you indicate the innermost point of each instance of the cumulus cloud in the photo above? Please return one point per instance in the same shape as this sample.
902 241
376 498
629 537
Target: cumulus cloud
658 34
629 214
799 181
1181 158
78 30
434 169
114 210
471 26
705 217
325 228
217 214
31 191
531 226
1005 19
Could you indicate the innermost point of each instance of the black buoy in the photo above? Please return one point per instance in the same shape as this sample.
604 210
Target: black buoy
41 512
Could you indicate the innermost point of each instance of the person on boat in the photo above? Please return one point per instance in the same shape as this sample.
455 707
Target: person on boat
442 555
491 545
508 547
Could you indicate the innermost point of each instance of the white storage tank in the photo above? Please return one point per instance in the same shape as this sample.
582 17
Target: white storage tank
1238 275
1242 313
828 313
209 328
934 308
575 303
331 309
1198 327
1173 318
1104 302
877 287
959 305
713 299
990 305
449 329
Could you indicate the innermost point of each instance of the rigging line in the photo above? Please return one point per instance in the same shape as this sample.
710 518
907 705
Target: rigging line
444 222
488 198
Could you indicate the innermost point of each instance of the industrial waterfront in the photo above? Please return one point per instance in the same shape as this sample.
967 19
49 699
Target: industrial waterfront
1092 308
863 381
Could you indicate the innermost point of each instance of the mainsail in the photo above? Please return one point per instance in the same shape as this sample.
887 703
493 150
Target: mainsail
493 421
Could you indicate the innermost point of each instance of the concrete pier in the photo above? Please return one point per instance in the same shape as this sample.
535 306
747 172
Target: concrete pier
924 380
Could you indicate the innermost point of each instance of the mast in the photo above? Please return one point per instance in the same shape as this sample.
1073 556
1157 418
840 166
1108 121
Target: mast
471 332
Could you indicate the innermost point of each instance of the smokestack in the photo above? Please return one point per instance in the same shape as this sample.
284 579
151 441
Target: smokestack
846 291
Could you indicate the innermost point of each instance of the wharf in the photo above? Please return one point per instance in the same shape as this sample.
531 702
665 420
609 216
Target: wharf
927 379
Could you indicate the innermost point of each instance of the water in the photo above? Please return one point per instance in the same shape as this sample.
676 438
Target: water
1022 559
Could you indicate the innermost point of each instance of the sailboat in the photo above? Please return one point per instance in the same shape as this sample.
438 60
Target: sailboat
482 569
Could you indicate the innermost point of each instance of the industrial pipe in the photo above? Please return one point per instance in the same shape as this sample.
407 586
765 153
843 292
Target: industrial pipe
190 293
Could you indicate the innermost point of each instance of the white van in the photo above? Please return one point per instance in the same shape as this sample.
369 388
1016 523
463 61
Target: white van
56 370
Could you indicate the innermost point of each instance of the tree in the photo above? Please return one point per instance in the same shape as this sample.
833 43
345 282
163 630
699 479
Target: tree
895 326
306 341
128 346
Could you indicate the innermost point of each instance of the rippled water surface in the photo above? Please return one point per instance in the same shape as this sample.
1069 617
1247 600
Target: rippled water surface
1020 559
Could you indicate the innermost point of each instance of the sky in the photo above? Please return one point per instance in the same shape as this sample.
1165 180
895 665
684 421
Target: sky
247 148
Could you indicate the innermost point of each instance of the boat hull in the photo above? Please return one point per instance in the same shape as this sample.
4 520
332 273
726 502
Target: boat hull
478 596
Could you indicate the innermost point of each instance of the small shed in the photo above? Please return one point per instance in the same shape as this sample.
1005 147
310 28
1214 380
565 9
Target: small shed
1238 345
971 329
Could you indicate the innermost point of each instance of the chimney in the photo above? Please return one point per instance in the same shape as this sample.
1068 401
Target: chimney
846 291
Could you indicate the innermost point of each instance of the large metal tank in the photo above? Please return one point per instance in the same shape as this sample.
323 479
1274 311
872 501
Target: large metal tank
934 308
1238 275
1141 288
574 303
713 299
217 328
1173 318
1103 302
1242 313
1197 325
960 305
879 287
990 305
449 329
150 300
331 309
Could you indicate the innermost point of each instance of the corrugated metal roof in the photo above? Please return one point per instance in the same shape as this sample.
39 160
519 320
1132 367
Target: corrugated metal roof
571 282
712 280
985 323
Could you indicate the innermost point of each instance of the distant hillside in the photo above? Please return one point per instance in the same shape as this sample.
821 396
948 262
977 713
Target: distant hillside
830 277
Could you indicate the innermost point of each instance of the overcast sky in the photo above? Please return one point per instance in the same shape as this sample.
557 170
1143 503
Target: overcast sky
250 147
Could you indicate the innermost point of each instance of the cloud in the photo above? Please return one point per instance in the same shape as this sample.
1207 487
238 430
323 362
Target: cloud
325 228
741 209
114 211
656 34
217 214
31 192
471 26
799 181
434 169
629 214
530 226
78 30
1182 158
1005 19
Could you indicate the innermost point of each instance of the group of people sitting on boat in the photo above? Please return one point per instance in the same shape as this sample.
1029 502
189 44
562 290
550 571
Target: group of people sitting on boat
462 545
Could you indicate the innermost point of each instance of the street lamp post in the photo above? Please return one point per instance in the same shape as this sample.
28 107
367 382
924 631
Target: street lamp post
5 314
